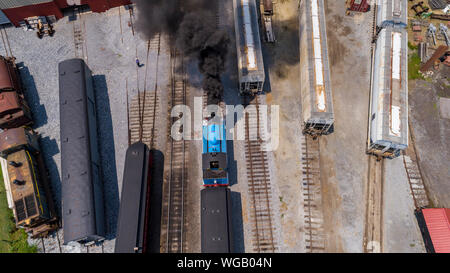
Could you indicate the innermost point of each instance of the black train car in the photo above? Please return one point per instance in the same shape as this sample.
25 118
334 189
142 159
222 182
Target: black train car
216 230
81 186
134 213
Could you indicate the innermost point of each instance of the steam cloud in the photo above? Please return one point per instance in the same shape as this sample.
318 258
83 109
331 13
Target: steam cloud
191 28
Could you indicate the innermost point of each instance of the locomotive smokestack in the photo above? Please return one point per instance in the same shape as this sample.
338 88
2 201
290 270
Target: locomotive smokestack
191 29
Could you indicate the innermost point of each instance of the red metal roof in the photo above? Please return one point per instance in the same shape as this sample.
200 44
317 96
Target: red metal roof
438 225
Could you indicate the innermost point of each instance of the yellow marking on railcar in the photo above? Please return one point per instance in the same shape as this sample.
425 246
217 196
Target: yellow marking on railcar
35 181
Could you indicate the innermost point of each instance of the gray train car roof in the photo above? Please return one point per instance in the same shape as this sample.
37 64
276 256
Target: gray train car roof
311 83
130 227
216 232
389 98
76 187
391 12
245 74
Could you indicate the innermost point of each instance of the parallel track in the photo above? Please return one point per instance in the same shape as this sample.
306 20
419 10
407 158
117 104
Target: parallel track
79 32
51 244
373 233
144 106
259 185
95 248
176 176
414 174
5 40
373 230
312 196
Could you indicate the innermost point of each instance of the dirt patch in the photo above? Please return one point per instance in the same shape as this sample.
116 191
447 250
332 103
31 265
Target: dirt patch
331 201
336 49
346 31
285 53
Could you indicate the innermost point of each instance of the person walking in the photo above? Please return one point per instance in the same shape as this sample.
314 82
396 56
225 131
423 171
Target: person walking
138 63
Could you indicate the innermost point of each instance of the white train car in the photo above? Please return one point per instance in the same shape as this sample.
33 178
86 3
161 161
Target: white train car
4 164
248 45
392 12
388 121
315 82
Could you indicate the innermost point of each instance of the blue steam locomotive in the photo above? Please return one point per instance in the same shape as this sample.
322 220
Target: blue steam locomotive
214 155
216 229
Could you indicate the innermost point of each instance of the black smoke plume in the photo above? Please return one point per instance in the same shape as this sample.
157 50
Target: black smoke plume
191 28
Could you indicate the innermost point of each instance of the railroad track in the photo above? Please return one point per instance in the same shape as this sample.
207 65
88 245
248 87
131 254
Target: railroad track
5 41
373 230
175 176
259 185
51 244
95 248
414 174
373 233
312 195
145 105
79 31
374 26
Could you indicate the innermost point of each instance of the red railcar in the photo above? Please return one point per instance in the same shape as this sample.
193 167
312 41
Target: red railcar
268 7
434 224
14 111
358 5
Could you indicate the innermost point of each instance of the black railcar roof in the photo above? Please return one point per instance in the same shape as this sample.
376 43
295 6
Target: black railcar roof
131 223
78 204
216 220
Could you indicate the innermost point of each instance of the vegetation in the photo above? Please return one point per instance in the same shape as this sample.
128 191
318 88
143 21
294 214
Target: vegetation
413 67
12 240
411 46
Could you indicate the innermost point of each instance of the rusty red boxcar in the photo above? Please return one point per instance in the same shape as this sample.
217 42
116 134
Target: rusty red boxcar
14 111
358 5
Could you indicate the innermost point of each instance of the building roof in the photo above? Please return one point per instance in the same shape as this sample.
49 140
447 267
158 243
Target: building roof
8 4
438 225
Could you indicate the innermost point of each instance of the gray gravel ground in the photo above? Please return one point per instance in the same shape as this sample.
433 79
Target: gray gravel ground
282 62
112 63
431 131
401 232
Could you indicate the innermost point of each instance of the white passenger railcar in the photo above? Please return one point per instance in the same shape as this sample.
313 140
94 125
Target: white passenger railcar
248 45
315 83
388 121
392 12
